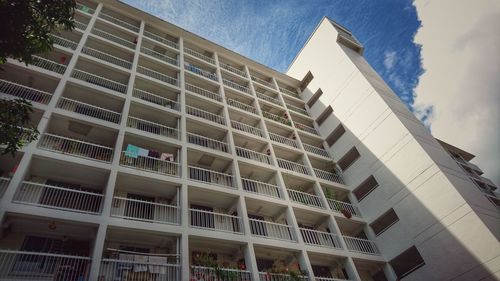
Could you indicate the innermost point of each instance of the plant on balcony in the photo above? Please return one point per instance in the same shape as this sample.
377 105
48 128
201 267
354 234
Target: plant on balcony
215 272
292 272
329 194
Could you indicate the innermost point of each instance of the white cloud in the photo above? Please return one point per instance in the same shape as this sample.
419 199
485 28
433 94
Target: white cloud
461 56
389 59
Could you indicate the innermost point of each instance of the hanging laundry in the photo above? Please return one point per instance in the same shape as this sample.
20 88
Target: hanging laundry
156 264
167 156
132 151
143 152
154 154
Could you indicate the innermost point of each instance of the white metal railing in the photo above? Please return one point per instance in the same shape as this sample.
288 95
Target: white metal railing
246 128
119 22
48 64
261 188
159 56
297 109
329 176
203 92
113 38
305 198
80 25
150 164
199 55
4 183
157 75
268 276
75 147
283 140
160 39
320 238
99 81
205 115
262 81
339 206
200 71
28 266
292 166
269 99
236 86
159 100
145 211
253 155
23 92
212 177
57 197
154 267
315 150
84 8
359 245
306 128
199 273
276 118
232 69
329 279
243 106
207 142
88 110
106 57
288 92
63 42
215 221
271 230
152 127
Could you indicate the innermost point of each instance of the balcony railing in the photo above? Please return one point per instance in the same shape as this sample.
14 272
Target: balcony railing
288 92
88 110
211 177
145 211
236 86
4 183
271 230
160 39
63 42
242 106
292 166
306 128
320 238
283 140
276 118
340 206
269 99
261 188
199 55
119 22
99 81
207 142
201 72
23 92
85 9
157 75
154 267
329 176
159 100
205 115
262 82
267 276
150 164
80 25
246 128
159 56
253 155
328 279
316 150
297 109
215 221
106 57
305 198
113 38
203 92
75 147
152 127
28 266
361 245
56 197
219 273
48 64
233 69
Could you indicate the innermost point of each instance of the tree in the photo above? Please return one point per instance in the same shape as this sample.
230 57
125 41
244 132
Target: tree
26 26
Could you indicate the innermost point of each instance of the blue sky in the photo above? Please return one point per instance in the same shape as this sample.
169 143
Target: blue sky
272 32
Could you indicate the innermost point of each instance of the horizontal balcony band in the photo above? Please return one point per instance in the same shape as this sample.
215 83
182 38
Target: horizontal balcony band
150 164
160 39
24 92
233 69
141 210
236 86
242 106
246 128
152 127
157 75
207 142
63 42
342 207
119 22
88 110
283 140
272 230
106 57
211 177
359 245
305 198
253 155
160 56
262 188
156 99
99 81
74 147
215 221
113 38
329 176
315 150
292 166
202 92
199 55
263 82
205 115
320 238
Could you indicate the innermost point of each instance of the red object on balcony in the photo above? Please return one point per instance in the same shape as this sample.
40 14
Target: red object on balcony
346 213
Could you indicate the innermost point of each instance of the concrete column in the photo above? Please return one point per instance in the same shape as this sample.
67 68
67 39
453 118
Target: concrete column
351 270
185 270
389 272
305 264
97 252
251 261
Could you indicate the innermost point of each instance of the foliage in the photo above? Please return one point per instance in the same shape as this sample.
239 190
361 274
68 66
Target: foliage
291 273
15 115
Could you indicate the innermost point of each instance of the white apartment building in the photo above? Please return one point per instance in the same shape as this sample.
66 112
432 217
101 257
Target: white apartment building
164 157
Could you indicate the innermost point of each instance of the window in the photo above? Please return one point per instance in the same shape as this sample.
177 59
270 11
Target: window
314 98
384 222
335 135
365 188
349 158
407 262
324 115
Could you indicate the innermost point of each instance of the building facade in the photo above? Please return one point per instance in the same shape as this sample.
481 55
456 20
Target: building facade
163 156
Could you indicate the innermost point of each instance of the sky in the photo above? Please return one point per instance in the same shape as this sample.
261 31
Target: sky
433 54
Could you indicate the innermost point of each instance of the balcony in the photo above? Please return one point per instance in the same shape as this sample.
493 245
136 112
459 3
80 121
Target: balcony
240 105
202 92
268 276
160 56
316 150
236 86
99 81
359 245
233 69
158 266
293 166
201 273
63 42
48 64
320 238
205 115
342 207
163 40
112 17
283 140
211 177
269 99
74 147
253 155
150 164
88 110
84 8
329 176
157 75
261 188
262 82
80 25
246 128
276 118
305 198
266 229
215 221
289 92
156 99
94 53
200 71
23 92
4 183
142 210
297 109
305 128
152 127
207 142
113 38
199 55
